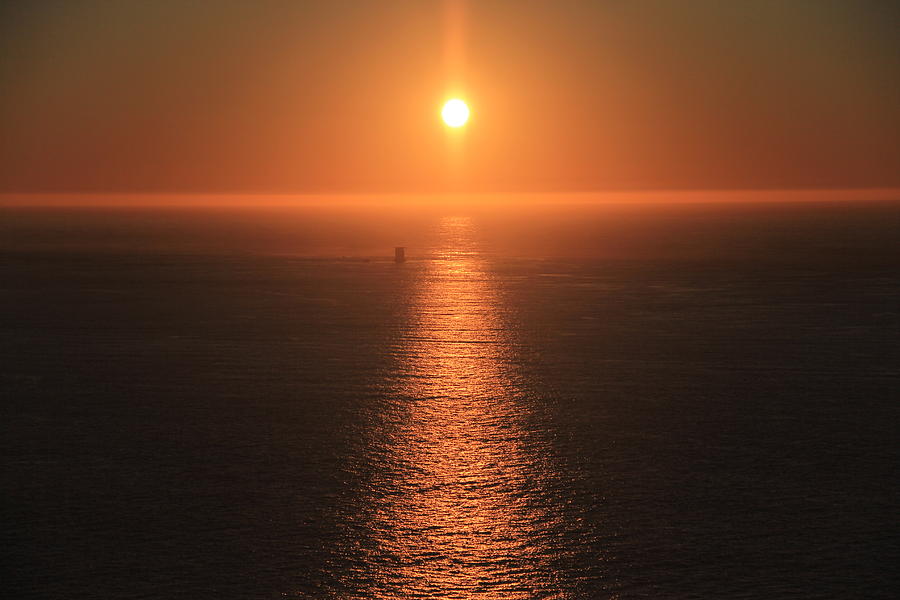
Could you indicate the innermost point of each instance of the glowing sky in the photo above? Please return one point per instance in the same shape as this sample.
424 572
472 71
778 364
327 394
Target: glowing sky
345 95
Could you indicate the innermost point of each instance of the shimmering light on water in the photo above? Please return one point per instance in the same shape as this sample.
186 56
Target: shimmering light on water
457 510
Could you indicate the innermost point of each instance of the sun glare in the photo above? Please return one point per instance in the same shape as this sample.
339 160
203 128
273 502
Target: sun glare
455 113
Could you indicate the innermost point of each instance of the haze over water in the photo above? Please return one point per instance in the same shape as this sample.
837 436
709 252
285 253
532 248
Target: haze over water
576 401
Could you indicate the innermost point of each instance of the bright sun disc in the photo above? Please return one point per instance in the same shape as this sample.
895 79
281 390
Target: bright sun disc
455 113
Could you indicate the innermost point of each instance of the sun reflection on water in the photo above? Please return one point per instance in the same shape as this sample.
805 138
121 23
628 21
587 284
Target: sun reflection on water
456 509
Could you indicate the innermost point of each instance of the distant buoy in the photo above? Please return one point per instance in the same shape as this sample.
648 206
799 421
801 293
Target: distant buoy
399 254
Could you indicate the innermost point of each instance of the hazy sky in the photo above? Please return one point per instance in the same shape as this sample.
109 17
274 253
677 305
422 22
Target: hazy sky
292 96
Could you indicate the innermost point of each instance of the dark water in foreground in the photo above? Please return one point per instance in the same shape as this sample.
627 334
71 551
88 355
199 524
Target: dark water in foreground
706 418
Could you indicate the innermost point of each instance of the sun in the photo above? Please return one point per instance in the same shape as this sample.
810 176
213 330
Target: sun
455 113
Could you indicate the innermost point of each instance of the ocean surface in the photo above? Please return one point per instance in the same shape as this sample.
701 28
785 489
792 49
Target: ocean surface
579 402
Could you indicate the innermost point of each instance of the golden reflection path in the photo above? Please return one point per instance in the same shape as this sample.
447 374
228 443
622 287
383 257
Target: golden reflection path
456 507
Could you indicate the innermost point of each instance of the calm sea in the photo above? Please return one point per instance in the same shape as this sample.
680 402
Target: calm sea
579 402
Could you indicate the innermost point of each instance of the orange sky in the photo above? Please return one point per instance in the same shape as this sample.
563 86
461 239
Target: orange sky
344 96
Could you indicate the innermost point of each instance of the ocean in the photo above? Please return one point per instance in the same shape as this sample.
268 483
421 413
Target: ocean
557 401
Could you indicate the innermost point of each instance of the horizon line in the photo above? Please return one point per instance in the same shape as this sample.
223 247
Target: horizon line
228 199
